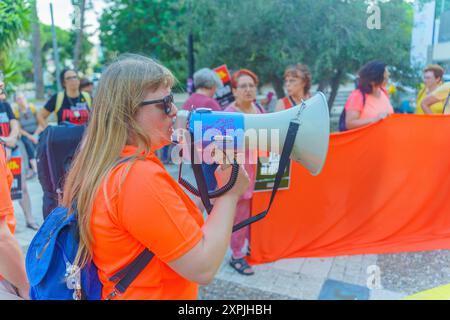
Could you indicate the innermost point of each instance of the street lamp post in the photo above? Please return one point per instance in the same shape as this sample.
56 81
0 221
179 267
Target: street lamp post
55 49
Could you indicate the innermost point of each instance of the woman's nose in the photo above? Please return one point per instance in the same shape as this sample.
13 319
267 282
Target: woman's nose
173 111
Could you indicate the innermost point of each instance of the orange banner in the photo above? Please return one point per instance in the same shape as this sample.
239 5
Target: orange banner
385 188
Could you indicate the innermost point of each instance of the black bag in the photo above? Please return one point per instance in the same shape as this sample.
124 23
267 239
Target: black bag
54 153
342 117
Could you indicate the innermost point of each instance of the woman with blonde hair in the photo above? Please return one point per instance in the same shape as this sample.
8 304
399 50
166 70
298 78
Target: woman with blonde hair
127 207
297 79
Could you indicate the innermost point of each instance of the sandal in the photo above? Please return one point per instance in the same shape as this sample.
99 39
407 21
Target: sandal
30 175
34 226
240 265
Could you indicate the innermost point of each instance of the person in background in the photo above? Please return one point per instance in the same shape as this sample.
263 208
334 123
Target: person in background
206 82
441 94
297 79
244 84
432 78
370 102
10 132
13 279
71 105
87 85
29 130
124 208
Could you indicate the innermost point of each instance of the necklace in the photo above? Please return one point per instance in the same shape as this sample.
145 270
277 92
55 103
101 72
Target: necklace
72 104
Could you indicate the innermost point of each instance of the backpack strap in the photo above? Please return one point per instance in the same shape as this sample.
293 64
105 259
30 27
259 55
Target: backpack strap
291 100
259 107
17 112
32 108
59 101
88 99
284 161
125 276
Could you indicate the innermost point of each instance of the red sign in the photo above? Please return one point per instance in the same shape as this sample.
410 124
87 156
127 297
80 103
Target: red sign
223 73
15 165
224 95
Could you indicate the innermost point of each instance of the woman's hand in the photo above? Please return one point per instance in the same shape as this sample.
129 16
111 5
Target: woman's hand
223 174
33 139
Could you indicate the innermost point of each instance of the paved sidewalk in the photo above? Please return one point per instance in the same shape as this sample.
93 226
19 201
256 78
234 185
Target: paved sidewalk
343 277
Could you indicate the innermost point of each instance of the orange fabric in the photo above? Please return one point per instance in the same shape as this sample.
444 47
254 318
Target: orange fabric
148 210
287 103
372 106
6 206
384 188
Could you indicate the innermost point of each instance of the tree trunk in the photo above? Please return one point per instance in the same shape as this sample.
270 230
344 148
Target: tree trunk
37 54
335 83
79 41
278 87
322 85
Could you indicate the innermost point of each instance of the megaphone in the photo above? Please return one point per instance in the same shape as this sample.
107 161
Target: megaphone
301 133
311 142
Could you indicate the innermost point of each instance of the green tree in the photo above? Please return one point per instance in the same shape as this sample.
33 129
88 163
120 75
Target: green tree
152 27
330 36
66 40
14 22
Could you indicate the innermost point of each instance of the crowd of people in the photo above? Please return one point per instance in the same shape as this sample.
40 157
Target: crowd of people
127 206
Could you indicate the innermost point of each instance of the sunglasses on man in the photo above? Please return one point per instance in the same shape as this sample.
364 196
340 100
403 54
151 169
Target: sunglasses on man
166 102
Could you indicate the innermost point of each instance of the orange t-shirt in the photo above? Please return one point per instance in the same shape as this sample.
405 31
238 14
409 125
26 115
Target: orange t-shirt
287 103
149 209
372 107
6 206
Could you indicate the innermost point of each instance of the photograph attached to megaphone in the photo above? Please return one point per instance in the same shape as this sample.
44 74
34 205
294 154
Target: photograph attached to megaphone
239 132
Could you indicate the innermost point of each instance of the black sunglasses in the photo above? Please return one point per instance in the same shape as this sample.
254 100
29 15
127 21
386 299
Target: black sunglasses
167 102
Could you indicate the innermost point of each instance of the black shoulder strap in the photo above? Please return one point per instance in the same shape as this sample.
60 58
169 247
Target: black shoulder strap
260 108
285 158
126 275
292 101
200 178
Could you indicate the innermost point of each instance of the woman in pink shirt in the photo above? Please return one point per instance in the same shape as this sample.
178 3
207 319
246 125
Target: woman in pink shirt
369 103
244 83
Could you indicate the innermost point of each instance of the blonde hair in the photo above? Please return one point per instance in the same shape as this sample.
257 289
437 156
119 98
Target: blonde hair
112 124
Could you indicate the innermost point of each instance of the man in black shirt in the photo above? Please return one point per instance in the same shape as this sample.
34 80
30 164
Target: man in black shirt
71 105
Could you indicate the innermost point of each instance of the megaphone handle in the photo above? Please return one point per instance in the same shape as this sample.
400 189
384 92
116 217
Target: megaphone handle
285 155
215 193
202 191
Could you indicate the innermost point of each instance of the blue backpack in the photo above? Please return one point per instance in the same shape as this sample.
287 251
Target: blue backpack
50 257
